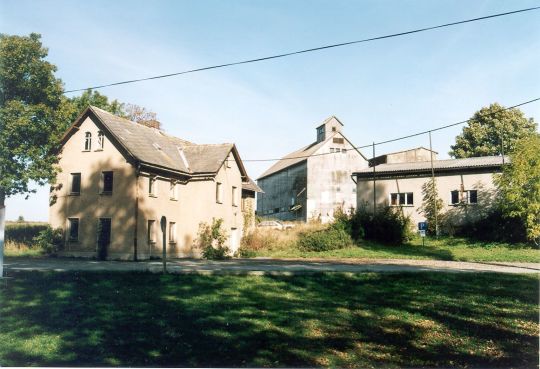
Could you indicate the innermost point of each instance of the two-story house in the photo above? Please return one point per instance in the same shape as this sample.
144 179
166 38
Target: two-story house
118 180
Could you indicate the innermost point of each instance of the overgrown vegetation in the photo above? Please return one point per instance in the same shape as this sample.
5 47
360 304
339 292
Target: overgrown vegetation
212 240
388 226
432 206
331 238
30 239
324 320
49 240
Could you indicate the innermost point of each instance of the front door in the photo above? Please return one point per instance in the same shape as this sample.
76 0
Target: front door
103 237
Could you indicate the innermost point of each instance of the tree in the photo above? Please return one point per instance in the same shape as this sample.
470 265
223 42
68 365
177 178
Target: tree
33 114
90 97
492 131
140 115
432 206
519 185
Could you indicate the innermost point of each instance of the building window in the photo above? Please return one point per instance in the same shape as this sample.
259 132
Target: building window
401 199
151 228
106 183
173 192
100 140
75 184
338 140
234 196
73 231
152 186
463 197
332 149
343 151
172 232
219 193
87 141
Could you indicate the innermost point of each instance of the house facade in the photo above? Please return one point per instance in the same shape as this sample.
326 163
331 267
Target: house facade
465 186
312 182
118 180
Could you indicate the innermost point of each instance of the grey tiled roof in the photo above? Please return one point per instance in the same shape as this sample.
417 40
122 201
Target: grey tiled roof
153 146
438 165
293 158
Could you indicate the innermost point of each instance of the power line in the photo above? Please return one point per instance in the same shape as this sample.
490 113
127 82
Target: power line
307 50
402 137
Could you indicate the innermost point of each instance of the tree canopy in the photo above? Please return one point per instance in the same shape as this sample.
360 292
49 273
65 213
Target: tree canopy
519 185
491 131
90 97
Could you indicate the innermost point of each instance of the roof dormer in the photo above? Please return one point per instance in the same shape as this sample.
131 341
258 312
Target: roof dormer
328 128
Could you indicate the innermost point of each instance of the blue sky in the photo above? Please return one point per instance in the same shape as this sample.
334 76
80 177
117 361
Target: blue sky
379 90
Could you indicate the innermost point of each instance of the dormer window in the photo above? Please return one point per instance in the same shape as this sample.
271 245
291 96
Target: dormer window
87 141
100 140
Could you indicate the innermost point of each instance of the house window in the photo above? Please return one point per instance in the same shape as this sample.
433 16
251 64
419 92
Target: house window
173 192
172 232
152 186
151 228
87 141
73 231
106 183
234 196
332 149
75 184
219 193
401 199
100 140
465 197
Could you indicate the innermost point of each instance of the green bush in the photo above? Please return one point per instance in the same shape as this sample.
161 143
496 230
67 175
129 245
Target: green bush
388 226
49 240
23 233
495 227
212 240
332 238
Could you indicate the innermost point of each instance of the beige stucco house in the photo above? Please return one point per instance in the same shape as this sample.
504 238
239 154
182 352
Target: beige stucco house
118 179
312 182
465 185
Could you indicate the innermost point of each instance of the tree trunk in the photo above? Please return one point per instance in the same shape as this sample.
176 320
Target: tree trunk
2 227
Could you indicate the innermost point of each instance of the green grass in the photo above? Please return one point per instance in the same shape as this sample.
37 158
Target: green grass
458 249
331 320
19 238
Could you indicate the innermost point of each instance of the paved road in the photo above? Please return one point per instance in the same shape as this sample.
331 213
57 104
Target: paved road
261 266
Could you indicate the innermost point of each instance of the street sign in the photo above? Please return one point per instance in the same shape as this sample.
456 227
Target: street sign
422 233
422 226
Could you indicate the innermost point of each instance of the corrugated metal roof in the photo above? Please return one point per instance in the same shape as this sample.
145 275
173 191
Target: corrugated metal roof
448 164
152 146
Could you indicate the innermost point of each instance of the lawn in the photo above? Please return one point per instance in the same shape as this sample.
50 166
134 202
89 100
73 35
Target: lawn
445 248
331 320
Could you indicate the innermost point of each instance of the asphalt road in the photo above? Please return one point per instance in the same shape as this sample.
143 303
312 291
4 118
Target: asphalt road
260 266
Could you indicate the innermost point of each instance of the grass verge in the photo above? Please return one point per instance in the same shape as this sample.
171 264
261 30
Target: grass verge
330 320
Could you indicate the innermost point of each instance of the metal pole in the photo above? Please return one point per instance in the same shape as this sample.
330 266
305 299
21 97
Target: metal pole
502 147
433 182
2 224
374 188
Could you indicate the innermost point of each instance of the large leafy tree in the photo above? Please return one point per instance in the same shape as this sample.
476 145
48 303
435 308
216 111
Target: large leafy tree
90 97
33 113
519 185
491 131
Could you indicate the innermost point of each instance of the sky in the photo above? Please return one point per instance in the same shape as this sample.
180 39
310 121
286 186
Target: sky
379 90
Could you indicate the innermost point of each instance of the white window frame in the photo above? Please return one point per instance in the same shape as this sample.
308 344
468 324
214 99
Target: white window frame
173 191
151 231
152 186
219 192
100 140
172 232
234 196
87 141
464 198
406 204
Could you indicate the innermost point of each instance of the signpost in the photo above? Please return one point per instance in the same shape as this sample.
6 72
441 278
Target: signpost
164 231
422 227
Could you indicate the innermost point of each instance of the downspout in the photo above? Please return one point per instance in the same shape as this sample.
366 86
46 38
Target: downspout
136 230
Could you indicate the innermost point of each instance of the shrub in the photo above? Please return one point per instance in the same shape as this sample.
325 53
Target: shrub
49 240
212 240
388 226
23 234
495 227
332 238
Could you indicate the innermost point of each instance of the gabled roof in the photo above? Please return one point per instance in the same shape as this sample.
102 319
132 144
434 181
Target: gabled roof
448 165
156 148
332 117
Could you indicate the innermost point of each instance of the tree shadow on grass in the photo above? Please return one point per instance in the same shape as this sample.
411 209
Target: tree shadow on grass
143 319
427 252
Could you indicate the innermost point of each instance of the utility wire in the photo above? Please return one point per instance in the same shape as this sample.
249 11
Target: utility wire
307 50
402 137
